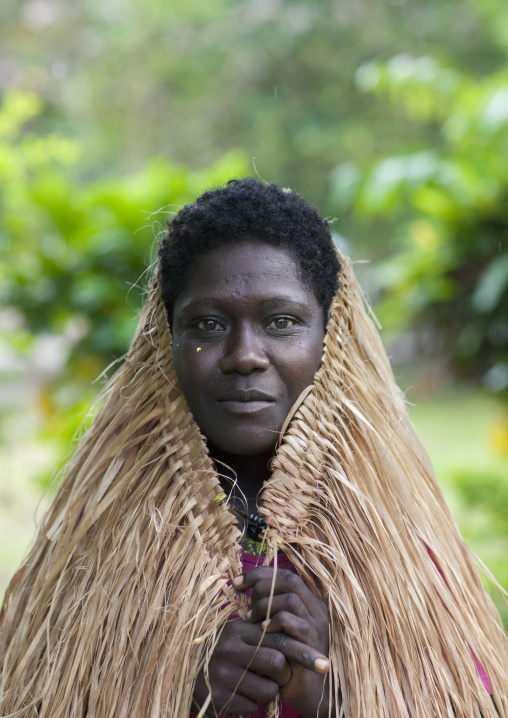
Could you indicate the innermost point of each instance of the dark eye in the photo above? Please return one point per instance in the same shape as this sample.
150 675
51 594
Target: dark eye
281 323
209 325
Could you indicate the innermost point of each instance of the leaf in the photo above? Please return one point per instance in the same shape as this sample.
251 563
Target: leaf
344 180
392 175
491 285
495 114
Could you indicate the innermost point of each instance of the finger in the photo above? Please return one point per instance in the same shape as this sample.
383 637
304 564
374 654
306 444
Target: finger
249 578
297 652
243 651
264 582
256 688
288 623
271 664
288 602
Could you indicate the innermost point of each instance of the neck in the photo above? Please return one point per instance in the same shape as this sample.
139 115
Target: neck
250 472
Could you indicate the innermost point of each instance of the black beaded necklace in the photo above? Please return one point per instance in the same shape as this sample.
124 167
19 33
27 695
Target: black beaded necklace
254 523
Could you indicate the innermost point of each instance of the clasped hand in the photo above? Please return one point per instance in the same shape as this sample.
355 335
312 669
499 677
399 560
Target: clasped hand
287 655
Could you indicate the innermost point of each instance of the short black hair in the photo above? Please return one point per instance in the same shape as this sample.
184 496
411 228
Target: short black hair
248 209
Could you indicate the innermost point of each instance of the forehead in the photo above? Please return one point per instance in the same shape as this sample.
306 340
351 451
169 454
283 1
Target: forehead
244 270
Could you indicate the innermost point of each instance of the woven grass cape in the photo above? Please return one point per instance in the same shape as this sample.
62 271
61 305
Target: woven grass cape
125 589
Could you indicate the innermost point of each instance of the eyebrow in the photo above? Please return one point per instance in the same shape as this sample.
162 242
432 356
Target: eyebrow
288 300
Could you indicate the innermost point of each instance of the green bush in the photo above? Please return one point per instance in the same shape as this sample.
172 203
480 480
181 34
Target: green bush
446 206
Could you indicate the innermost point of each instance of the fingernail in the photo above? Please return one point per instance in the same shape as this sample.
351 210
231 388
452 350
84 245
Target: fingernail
249 614
237 581
266 623
322 665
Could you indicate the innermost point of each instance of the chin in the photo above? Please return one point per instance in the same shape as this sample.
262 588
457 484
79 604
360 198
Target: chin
242 447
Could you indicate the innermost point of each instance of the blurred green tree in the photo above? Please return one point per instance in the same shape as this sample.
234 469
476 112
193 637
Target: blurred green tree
446 204
78 249
190 81
78 254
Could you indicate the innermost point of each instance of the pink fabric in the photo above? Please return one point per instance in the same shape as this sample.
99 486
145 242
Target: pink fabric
481 670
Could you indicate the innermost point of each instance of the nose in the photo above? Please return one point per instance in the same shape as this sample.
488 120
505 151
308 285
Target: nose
244 352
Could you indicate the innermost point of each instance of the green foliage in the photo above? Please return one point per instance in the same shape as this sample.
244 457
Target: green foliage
77 250
190 81
447 206
79 253
485 491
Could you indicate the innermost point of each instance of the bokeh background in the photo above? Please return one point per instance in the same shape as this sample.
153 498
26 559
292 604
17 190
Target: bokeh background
390 115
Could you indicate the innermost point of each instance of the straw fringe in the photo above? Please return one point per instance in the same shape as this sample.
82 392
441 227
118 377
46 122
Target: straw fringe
125 591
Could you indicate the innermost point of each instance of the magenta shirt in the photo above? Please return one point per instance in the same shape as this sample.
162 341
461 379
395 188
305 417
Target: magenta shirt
250 561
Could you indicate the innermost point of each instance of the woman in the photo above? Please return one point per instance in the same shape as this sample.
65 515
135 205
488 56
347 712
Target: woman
134 599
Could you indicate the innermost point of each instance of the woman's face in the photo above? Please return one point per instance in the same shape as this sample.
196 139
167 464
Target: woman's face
247 340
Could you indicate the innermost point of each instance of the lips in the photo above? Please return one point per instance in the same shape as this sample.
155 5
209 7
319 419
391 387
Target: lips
245 401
